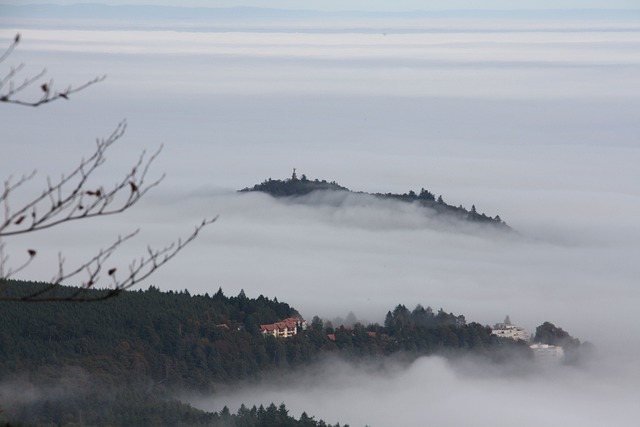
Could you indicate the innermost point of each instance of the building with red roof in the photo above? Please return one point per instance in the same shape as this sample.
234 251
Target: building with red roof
285 328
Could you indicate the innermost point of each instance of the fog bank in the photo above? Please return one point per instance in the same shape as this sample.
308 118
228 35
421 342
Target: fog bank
433 391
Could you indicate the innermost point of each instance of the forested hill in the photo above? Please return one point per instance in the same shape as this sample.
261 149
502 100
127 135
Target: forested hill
121 361
295 187
175 339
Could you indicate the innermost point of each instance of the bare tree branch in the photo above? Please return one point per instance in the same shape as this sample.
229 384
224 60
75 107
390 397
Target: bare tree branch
138 271
9 89
70 199
4 262
74 197
11 48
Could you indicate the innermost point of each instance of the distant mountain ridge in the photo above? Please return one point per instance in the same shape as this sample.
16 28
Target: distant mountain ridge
295 187
258 20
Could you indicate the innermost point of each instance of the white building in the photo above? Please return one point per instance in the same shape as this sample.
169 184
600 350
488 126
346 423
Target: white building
505 330
547 354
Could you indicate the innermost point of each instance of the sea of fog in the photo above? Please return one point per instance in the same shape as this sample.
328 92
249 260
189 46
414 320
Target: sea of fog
434 392
539 127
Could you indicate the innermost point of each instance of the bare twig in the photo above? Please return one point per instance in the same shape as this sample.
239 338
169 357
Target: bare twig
73 197
4 262
138 271
9 89
11 47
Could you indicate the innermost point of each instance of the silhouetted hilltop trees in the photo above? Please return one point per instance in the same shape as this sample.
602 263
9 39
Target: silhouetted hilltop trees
294 187
548 333
575 352
270 416
127 408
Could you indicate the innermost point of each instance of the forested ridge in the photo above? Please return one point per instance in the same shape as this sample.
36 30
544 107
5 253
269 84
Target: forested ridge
120 361
295 187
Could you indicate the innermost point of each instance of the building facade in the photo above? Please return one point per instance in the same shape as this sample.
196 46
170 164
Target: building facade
505 330
547 354
284 329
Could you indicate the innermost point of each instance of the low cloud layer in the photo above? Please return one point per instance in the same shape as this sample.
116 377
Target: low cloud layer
433 391
561 170
368 257
537 127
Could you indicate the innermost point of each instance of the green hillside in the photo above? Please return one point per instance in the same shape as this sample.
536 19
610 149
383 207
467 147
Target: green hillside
121 361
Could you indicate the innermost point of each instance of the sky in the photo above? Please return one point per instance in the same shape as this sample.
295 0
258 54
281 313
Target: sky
534 121
372 5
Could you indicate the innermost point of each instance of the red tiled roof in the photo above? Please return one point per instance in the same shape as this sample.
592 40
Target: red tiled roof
289 323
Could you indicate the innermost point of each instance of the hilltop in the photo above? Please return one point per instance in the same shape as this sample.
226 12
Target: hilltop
295 187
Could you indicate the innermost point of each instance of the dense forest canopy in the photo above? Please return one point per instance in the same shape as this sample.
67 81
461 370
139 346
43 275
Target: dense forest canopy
121 360
296 187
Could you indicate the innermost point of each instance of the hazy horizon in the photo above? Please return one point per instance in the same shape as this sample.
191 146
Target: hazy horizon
367 5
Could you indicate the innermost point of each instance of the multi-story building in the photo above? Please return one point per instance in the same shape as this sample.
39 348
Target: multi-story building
506 330
547 354
285 328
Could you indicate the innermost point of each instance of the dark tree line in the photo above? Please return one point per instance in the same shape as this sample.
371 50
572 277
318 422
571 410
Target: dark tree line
126 408
295 186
